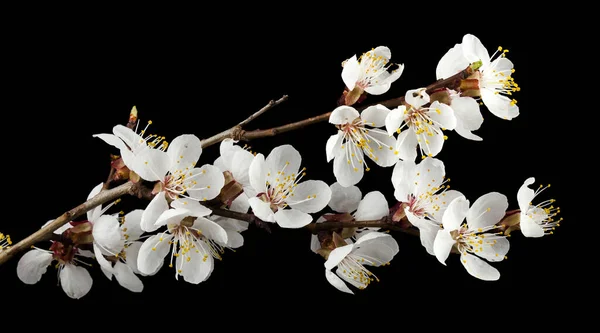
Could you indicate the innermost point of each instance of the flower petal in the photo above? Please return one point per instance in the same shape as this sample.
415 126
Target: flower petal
193 207
184 152
467 113
172 216
132 224
442 115
262 209
258 173
292 218
351 72
285 159
106 266
151 164
240 164
451 63
444 200
473 50
337 255
208 182
75 281
315 244
402 178
152 253
380 87
33 265
107 234
112 140
310 196
394 119
127 278
406 145
94 213
376 248
455 213
494 248
334 142
499 105
210 230
198 268
131 139
417 97
337 282
525 195
372 207
427 234
479 268
234 239
240 204
488 210
375 115
429 176
155 208
131 253
442 245
348 174
431 144
529 228
343 115
382 148
344 199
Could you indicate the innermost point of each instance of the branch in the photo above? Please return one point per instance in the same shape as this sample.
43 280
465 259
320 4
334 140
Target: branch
236 131
452 82
46 232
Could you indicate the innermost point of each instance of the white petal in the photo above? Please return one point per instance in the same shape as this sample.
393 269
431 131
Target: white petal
258 173
127 278
529 228
184 151
106 266
496 250
337 255
240 204
292 218
474 50
172 216
234 239
444 200
107 233
149 261
442 245
94 213
60 229
479 268
315 244
220 164
211 230
262 209
192 206
402 178
209 181
284 158
499 105
75 281
382 51
465 133
345 173
107 273
33 265
429 176
427 234
451 63
128 136
382 147
375 115
525 194
131 253
334 141
375 248
431 144
407 145
227 150
394 119
445 118
455 213
372 207
319 194
112 140
155 208
197 269
417 97
502 64
379 88
151 164
240 164
468 115
488 210
344 199
230 224
337 282
351 72
343 115
133 225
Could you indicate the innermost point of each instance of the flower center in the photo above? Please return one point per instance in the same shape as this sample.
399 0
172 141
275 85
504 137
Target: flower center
374 66
430 201
474 241
499 79
178 183
544 213
152 140
280 188
358 140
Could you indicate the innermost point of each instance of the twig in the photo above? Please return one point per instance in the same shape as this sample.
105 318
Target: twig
44 233
236 131
452 82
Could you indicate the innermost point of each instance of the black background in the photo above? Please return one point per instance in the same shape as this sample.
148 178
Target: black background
71 77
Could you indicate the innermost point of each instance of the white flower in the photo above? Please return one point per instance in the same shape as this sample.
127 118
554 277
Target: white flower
373 249
538 220
75 280
420 126
276 181
473 239
175 171
468 116
354 140
236 161
192 239
421 187
370 71
346 200
494 75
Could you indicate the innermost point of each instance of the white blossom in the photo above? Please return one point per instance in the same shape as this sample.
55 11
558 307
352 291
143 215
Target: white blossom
370 71
536 220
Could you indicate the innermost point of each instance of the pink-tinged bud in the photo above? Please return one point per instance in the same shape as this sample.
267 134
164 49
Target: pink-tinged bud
121 170
133 118
63 253
80 233
230 191
441 96
354 96
397 212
